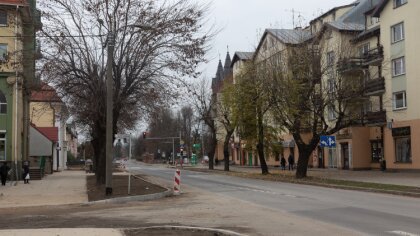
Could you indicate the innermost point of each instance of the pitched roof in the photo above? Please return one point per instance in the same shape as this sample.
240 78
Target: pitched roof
290 36
379 8
335 9
14 2
241 56
354 19
50 132
45 94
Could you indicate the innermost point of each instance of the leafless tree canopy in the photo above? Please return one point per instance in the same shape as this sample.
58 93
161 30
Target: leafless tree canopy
156 43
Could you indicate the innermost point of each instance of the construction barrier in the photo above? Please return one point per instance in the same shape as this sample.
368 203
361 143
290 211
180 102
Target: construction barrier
177 182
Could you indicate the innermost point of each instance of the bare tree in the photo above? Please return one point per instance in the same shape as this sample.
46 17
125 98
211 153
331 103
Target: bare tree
313 95
156 43
204 104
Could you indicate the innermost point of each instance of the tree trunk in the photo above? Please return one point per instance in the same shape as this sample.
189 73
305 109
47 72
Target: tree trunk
260 144
305 151
302 166
99 146
226 149
212 150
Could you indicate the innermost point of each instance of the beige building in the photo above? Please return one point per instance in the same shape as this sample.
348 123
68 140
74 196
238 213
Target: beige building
374 42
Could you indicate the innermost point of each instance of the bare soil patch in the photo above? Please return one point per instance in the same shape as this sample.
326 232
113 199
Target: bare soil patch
120 187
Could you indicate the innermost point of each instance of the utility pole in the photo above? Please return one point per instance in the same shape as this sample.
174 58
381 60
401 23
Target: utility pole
109 111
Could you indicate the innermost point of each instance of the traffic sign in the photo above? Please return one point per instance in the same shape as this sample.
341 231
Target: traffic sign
328 141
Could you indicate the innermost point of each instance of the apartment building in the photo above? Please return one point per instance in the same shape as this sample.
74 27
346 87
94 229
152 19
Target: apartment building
399 37
372 43
19 20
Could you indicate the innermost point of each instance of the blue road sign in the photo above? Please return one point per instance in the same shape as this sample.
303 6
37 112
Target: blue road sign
328 141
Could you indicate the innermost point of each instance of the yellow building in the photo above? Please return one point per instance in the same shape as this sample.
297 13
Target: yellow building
19 20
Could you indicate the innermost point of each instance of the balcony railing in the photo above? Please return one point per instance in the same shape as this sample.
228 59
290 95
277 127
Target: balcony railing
375 86
351 65
375 118
374 57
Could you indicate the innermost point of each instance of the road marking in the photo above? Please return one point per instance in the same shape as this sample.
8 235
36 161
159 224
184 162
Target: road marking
396 232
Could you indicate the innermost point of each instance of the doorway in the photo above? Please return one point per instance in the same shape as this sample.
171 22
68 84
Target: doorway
346 156
320 158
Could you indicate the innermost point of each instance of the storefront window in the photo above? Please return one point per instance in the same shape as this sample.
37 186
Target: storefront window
376 149
403 149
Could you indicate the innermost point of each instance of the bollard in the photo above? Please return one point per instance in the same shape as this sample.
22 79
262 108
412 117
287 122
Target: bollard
177 182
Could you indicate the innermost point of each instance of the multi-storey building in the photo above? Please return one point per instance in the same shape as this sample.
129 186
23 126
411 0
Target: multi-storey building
19 20
399 38
373 43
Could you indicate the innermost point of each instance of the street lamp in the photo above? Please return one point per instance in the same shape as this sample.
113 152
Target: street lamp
110 102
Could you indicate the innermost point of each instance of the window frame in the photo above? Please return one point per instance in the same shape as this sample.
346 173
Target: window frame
7 22
403 69
403 2
3 58
330 58
394 101
331 113
402 35
362 48
3 138
3 103
400 160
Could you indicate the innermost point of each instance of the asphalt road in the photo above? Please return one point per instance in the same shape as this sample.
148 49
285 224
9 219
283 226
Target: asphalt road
362 212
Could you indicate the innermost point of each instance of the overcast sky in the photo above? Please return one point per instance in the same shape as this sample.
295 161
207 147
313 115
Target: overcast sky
242 21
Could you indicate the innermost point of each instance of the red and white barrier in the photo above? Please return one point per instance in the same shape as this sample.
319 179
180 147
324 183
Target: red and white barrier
177 182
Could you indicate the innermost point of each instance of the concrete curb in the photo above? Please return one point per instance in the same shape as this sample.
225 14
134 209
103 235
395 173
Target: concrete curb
137 198
222 232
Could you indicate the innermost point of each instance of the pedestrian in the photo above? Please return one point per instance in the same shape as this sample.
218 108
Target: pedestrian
283 163
291 161
25 174
4 171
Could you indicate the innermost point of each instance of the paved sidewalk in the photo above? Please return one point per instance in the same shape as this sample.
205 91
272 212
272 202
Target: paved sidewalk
372 176
61 232
66 187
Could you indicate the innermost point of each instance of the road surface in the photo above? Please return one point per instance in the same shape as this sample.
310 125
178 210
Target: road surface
361 212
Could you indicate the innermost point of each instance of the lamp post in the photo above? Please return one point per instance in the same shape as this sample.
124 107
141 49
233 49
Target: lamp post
110 102
109 115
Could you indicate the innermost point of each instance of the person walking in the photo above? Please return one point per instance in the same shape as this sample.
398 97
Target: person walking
283 163
25 175
291 161
4 170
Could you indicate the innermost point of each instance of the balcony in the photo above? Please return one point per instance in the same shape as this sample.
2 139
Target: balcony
351 66
375 118
374 57
375 87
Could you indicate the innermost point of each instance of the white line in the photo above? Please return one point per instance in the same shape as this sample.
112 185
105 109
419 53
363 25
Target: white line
396 232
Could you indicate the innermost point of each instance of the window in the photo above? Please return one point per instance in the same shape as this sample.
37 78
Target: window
3 18
400 101
3 103
374 20
397 32
331 86
398 66
364 49
398 3
331 113
330 59
403 149
376 148
3 52
3 146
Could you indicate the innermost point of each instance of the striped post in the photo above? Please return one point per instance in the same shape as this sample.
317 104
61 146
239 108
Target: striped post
177 182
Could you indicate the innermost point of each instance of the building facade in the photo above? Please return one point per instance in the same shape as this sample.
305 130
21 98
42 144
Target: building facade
374 43
19 20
